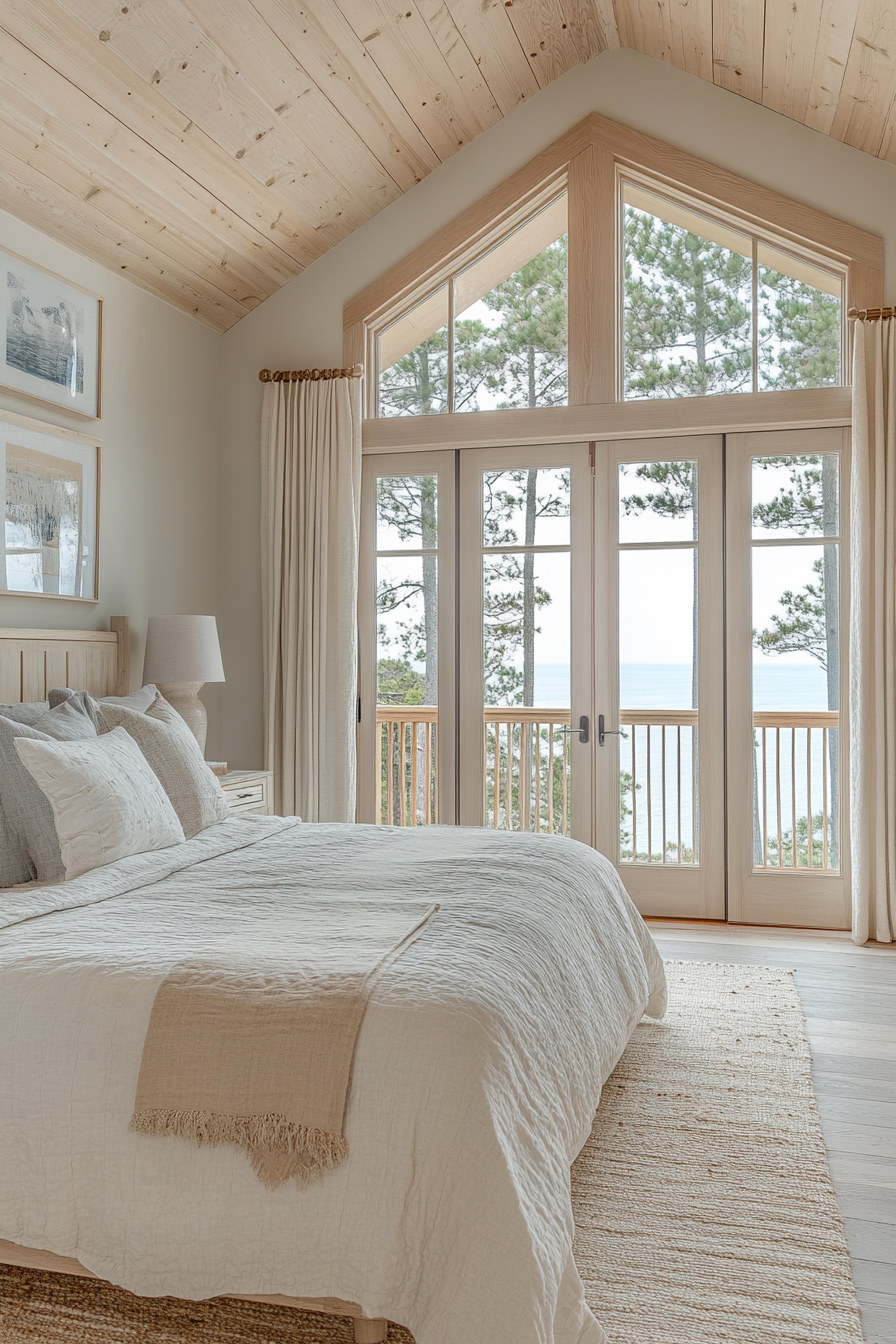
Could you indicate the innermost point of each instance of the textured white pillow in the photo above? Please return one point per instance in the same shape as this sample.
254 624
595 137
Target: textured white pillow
176 758
106 801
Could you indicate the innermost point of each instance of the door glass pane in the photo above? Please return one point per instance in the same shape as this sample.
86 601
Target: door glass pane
687 300
657 501
510 331
800 322
414 360
526 507
407 650
406 513
796 700
796 496
526 691
658 745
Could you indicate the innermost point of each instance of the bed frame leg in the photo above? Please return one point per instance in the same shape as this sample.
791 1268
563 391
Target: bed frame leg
369 1332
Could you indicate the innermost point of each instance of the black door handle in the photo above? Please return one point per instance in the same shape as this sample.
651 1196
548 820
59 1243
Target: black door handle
603 732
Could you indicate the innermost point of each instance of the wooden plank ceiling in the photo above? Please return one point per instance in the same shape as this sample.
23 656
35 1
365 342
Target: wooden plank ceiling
210 149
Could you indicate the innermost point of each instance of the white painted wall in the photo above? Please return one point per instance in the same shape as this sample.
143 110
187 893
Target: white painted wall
160 508
301 325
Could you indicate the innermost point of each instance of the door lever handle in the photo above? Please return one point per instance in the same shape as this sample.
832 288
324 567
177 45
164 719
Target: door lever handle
583 729
603 732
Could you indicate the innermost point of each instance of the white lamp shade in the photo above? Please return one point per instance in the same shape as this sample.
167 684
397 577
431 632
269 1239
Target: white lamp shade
182 648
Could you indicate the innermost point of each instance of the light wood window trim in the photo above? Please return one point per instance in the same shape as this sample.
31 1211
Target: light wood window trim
739 412
587 161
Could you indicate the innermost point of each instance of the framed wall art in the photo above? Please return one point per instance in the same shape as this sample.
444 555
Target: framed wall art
51 491
53 334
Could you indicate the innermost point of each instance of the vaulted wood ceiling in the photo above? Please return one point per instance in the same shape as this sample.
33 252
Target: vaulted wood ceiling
210 149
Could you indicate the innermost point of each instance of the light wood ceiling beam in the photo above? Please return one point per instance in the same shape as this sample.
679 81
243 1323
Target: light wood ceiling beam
160 41
396 38
495 47
592 24
437 17
738 31
356 88
888 144
678 32
223 186
545 37
57 154
266 64
833 40
806 51
51 209
65 120
869 83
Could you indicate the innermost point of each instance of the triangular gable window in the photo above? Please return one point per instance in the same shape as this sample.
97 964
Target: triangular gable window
492 336
710 308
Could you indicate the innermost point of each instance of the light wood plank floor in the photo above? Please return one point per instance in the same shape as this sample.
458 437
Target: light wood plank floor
849 999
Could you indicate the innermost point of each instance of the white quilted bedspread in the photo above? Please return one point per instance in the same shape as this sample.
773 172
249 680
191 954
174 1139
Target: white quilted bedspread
476 1076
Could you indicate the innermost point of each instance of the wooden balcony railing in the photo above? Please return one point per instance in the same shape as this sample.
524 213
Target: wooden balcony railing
527 769
796 798
527 780
407 780
658 786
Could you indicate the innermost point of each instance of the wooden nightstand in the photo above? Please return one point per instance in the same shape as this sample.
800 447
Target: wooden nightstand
249 791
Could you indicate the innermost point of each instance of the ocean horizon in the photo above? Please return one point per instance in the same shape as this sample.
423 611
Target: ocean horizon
668 686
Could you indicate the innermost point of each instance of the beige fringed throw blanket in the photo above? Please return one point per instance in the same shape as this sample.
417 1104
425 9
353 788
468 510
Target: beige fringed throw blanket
252 1043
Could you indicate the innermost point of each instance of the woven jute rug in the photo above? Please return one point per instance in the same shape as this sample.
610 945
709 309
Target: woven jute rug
704 1208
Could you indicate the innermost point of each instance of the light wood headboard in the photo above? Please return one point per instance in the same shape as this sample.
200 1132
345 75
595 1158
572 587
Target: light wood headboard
33 661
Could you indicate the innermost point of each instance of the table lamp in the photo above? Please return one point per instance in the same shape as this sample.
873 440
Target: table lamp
182 654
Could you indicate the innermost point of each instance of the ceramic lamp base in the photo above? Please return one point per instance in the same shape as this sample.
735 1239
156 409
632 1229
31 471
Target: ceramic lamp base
184 697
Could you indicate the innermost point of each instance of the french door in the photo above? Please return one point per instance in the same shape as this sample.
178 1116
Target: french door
637 644
787 660
475 618
660 760
526 745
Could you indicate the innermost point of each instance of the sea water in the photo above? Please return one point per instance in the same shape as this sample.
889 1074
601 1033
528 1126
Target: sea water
669 686
801 686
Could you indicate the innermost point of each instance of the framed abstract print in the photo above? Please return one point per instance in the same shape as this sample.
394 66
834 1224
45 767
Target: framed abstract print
51 487
53 334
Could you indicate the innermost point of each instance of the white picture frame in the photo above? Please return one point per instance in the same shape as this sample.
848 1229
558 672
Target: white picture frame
51 510
53 338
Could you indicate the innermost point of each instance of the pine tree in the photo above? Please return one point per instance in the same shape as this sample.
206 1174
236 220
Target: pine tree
687 312
799 333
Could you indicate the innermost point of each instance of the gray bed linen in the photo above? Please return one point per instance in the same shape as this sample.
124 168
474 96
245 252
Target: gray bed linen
30 847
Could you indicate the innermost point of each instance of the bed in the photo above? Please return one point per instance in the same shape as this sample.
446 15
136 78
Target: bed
476 1074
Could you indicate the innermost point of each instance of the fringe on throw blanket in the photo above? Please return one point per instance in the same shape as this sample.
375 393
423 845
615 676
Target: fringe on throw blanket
278 1149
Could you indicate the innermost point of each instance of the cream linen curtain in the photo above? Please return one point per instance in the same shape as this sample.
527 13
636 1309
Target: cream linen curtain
872 635
311 493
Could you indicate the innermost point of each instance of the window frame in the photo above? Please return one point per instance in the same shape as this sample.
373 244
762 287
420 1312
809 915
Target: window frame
757 233
462 261
483 240
588 160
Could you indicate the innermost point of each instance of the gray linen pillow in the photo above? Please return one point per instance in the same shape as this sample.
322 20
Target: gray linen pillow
174 754
31 847
139 700
15 862
29 712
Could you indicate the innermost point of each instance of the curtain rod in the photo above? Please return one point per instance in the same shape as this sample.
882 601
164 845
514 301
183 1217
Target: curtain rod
871 314
308 375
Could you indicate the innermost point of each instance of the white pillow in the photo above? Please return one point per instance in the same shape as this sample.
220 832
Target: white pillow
106 801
